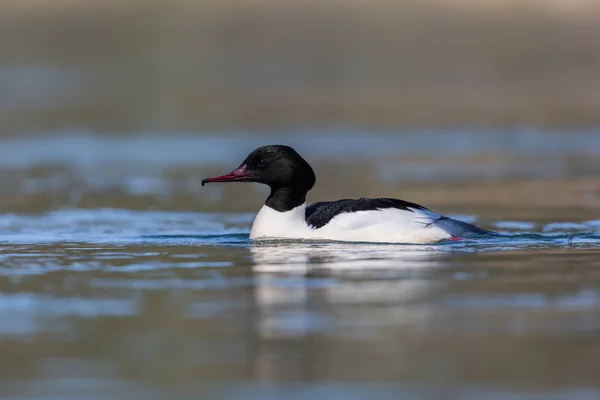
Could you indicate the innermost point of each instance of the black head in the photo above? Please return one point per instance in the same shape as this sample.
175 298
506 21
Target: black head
278 166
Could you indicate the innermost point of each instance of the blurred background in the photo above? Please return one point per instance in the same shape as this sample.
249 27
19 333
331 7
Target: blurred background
157 66
130 103
122 277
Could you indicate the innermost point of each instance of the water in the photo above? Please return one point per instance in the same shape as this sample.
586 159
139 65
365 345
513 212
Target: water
121 277
115 303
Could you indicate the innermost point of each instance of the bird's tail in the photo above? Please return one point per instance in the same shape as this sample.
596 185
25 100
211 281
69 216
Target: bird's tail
462 229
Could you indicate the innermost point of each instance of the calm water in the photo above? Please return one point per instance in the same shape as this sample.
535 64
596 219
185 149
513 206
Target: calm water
120 277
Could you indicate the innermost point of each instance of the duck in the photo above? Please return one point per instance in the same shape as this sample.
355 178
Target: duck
285 214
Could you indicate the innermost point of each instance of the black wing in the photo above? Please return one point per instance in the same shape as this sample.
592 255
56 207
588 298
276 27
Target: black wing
319 214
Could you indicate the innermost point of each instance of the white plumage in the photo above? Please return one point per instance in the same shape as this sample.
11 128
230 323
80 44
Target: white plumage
390 225
379 220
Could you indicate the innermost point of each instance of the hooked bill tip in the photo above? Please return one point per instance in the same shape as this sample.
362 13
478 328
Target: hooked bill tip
205 181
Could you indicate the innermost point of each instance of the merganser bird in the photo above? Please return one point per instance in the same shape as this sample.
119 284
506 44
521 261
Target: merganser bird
286 216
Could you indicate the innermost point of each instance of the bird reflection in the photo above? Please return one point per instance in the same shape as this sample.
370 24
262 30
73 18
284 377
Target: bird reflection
302 257
293 277
305 289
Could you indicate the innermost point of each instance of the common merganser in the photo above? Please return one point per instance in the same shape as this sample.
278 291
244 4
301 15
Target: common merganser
286 216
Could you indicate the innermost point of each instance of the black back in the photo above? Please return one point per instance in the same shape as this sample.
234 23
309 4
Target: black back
319 214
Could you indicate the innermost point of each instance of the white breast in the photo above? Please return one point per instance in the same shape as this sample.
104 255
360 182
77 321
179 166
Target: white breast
388 225
275 224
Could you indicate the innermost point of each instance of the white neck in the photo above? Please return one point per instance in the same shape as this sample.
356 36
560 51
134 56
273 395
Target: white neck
275 224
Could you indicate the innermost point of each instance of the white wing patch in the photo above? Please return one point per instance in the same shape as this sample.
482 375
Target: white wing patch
387 225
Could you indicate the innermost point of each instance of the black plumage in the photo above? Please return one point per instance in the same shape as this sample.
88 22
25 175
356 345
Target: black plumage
290 178
319 214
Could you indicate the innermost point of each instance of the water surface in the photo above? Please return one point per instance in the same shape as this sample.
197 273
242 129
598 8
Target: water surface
121 277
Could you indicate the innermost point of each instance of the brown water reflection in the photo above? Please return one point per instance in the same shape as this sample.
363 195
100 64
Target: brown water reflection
146 320
134 65
121 277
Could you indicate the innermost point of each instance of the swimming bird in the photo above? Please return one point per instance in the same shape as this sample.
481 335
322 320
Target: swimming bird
285 214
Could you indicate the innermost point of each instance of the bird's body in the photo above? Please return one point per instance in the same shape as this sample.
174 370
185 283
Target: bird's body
286 216
386 225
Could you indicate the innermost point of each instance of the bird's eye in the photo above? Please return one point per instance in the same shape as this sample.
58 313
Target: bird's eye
262 163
